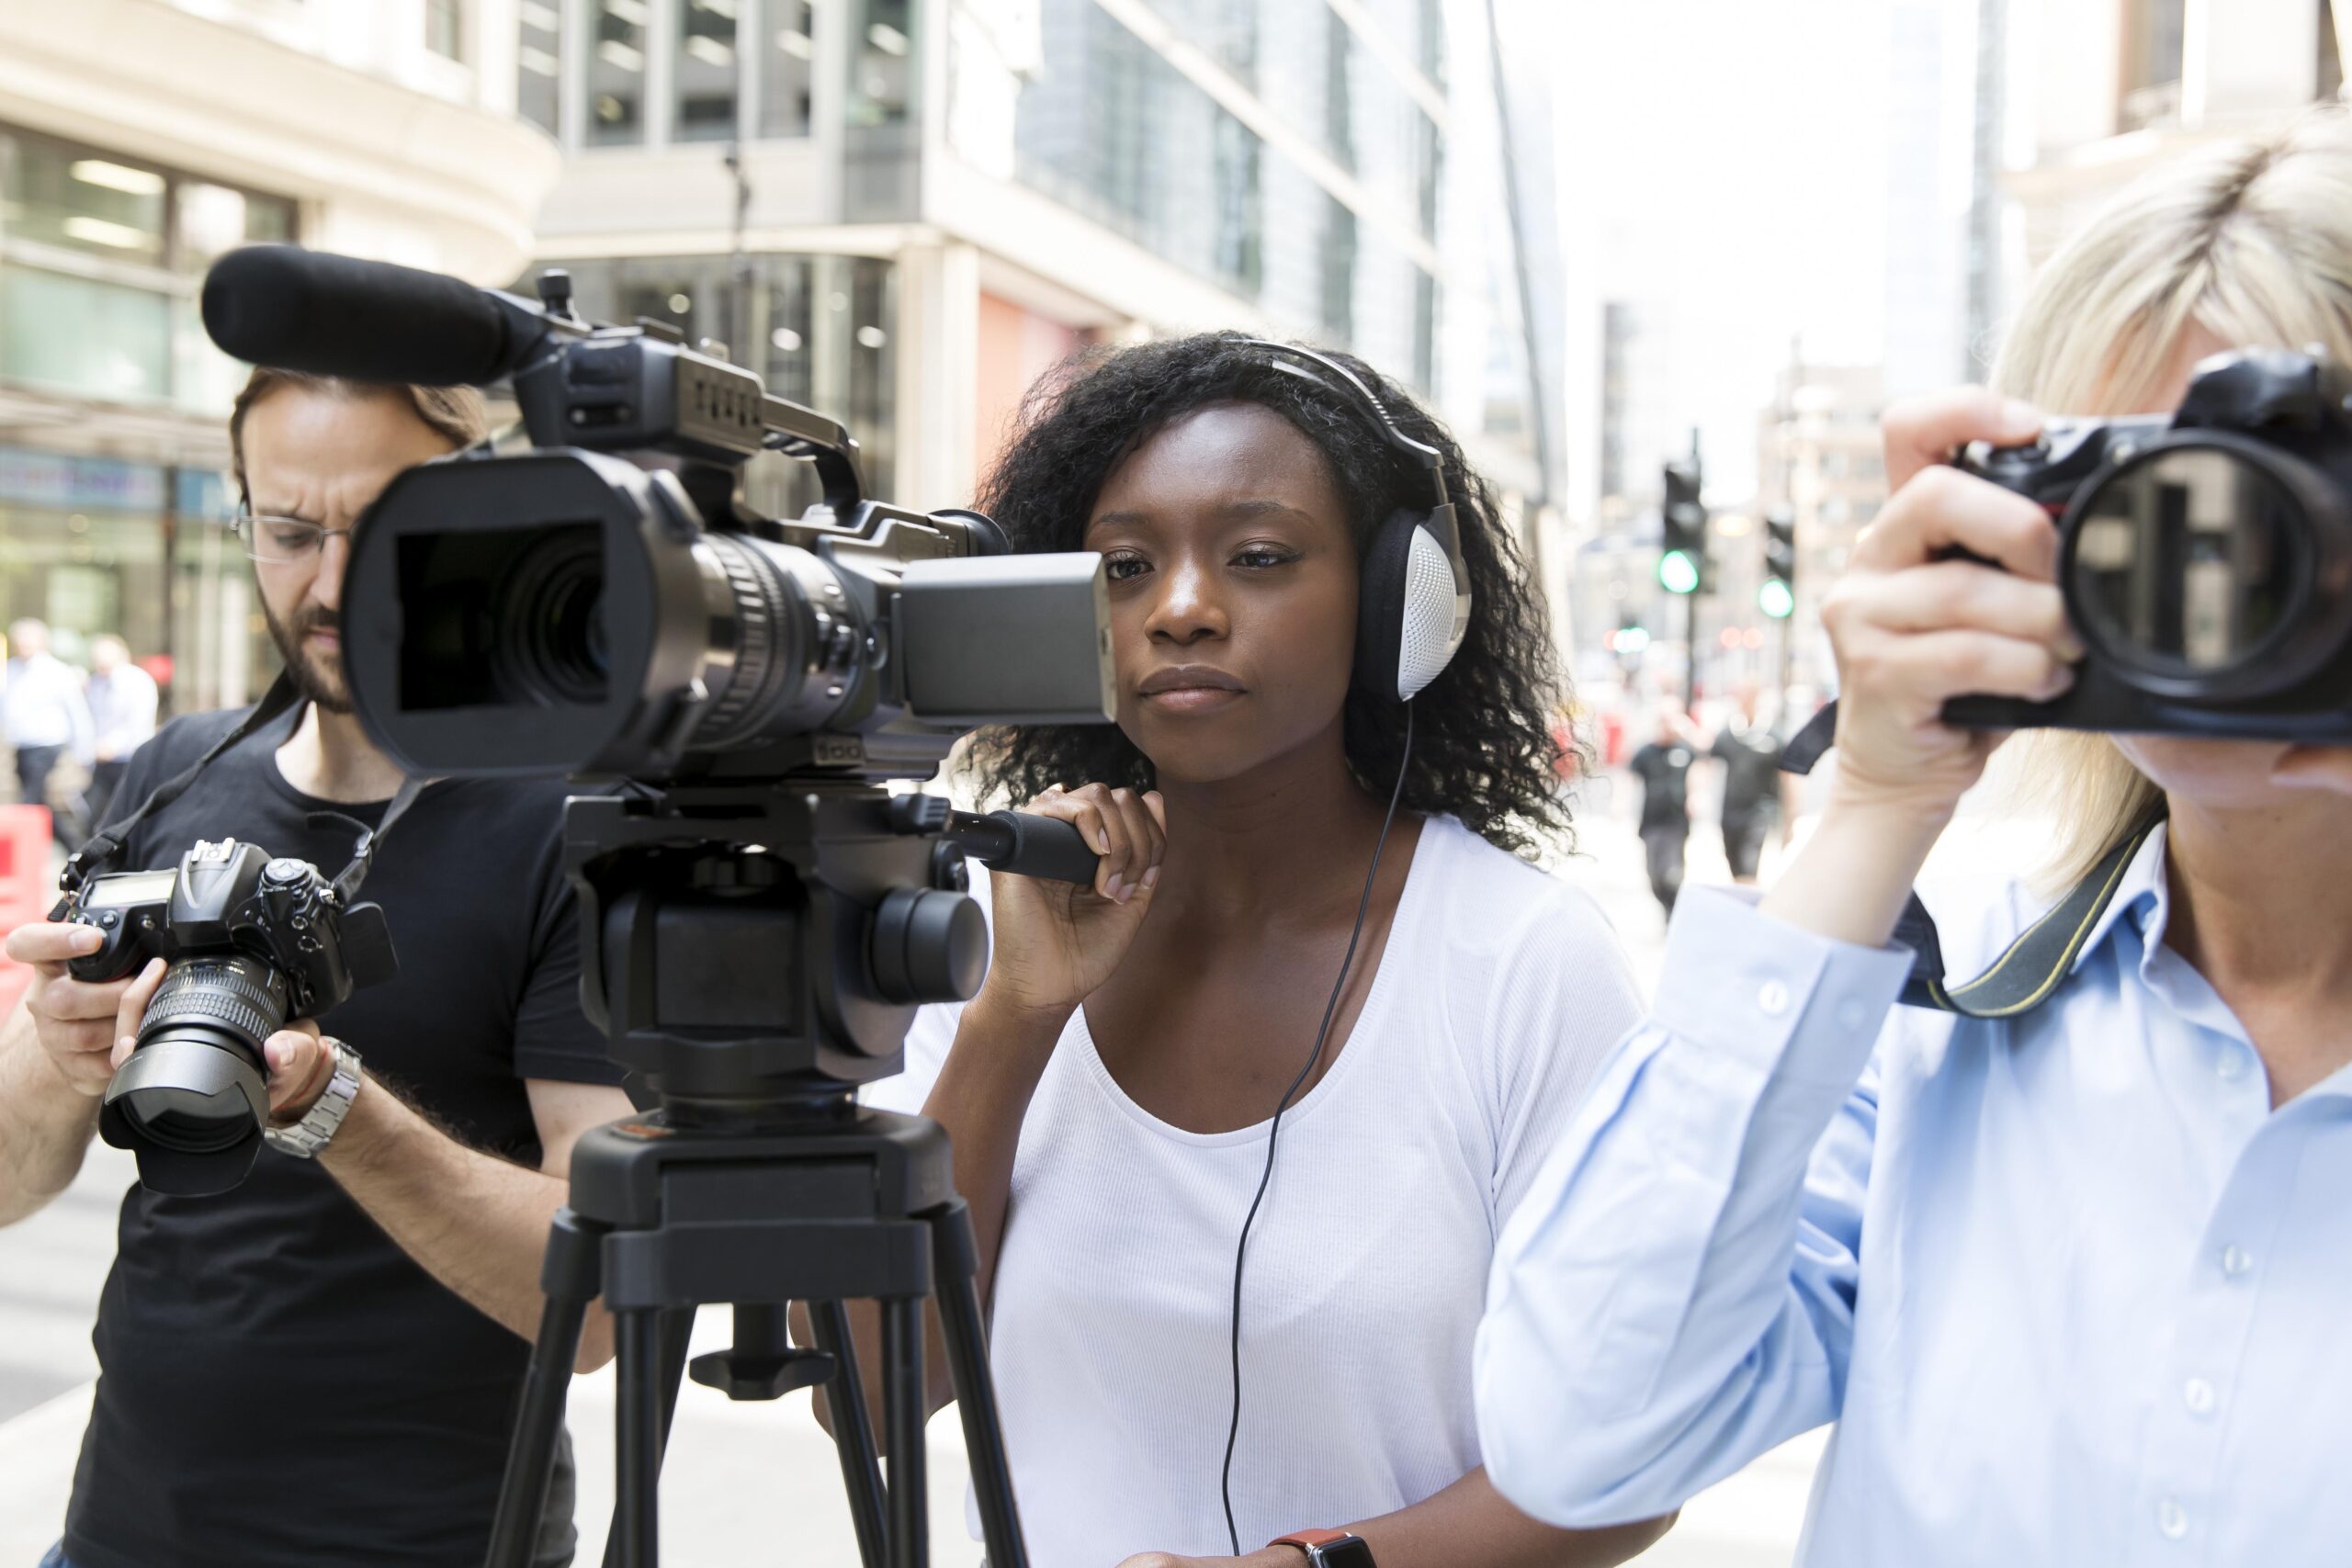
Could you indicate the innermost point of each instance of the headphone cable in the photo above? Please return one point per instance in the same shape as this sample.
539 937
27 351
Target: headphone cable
1331 1009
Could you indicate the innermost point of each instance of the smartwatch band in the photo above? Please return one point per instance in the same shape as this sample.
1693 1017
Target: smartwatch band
1329 1549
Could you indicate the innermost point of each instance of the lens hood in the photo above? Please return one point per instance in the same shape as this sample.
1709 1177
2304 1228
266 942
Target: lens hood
191 1112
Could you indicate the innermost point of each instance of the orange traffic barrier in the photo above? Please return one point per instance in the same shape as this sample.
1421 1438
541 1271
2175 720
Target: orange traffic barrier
26 890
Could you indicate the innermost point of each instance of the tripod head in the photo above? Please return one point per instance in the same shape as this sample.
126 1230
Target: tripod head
757 951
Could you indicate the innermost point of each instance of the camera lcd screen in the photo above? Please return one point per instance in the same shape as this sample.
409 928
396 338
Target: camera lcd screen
134 887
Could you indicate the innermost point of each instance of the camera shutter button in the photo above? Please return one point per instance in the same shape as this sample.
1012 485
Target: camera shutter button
109 919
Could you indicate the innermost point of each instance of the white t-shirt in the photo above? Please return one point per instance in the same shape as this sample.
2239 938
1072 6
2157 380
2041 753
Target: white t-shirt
1500 992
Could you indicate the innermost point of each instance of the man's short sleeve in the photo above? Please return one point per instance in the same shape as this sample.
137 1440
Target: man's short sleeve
553 1039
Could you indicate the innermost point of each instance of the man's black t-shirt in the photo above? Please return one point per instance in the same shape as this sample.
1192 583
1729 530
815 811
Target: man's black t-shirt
279 1383
1664 773
1751 761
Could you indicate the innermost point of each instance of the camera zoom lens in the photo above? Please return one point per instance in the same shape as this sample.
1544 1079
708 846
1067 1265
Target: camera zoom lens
550 621
781 641
198 1060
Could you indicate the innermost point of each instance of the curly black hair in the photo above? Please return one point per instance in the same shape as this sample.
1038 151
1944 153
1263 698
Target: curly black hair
1482 744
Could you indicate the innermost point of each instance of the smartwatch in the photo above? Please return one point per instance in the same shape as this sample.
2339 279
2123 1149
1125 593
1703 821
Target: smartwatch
1329 1549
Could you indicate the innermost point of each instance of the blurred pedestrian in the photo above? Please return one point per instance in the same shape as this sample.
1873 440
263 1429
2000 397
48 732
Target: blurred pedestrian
1750 754
122 717
45 716
1664 767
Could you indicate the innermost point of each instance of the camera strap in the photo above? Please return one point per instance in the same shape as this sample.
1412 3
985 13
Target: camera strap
2030 968
347 881
98 856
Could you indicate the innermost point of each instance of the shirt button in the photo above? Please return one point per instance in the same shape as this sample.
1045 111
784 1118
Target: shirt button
2236 1262
2172 1520
2197 1395
2232 1066
1773 999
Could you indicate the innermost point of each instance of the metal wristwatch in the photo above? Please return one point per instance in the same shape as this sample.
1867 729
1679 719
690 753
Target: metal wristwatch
305 1138
1329 1549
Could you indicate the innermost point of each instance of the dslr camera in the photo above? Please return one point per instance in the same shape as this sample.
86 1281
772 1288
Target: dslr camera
251 941
2205 557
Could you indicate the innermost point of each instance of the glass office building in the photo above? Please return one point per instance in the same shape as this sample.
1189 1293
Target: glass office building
966 191
101 257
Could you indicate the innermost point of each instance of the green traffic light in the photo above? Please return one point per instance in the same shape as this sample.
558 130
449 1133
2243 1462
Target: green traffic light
1775 599
1676 572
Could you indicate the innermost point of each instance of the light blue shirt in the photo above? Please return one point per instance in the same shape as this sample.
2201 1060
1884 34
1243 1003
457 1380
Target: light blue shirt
2072 1292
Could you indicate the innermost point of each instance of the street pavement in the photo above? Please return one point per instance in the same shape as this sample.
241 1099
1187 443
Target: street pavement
747 1482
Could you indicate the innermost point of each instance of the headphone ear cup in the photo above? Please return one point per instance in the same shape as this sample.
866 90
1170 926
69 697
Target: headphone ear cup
1380 605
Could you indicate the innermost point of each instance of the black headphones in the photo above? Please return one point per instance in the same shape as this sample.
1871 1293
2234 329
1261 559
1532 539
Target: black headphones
1413 607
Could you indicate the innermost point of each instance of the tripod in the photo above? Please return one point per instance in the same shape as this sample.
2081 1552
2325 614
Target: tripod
663 1219
721 966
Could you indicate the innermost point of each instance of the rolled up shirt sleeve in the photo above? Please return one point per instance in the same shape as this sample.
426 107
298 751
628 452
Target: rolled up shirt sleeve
1676 1294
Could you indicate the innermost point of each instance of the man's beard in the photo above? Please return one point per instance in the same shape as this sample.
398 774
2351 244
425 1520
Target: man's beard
318 677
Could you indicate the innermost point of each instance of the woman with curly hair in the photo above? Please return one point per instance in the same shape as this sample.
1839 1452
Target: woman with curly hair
1114 1091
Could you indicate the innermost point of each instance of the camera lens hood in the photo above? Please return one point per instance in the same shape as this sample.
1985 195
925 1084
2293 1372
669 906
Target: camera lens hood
191 1112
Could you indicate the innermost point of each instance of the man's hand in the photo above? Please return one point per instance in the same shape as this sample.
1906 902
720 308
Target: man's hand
300 1066
1264 1557
77 1022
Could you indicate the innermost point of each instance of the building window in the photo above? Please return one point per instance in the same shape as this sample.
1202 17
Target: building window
617 75
445 27
101 259
785 57
2331 54
821 329
538 65
708 71
2154 33
54 195
884 73
1338 256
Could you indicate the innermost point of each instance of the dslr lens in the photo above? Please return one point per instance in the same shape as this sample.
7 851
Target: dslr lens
2193 566
193 1095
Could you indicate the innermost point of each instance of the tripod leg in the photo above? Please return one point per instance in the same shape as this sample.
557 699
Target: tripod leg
677 1330
902 1413
569 1277
637 1437
954 1270
853 1430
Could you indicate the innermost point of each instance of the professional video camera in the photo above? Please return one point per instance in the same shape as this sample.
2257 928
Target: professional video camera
251 942
759 917
2206 556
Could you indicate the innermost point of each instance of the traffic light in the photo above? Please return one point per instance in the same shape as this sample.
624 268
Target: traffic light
1682 547
1777 595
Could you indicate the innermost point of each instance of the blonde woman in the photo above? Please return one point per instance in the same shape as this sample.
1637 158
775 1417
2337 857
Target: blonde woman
2073 1287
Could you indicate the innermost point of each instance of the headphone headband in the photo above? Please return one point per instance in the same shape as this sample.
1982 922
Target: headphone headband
1350 388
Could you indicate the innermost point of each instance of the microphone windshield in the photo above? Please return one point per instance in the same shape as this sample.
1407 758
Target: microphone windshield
329 315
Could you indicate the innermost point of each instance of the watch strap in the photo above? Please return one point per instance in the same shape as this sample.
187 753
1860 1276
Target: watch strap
306 1137
1311 1542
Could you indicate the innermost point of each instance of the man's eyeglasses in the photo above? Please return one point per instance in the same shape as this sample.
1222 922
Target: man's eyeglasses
282 539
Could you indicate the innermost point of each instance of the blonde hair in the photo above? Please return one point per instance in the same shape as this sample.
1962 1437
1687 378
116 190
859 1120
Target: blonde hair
458 414
2250 240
